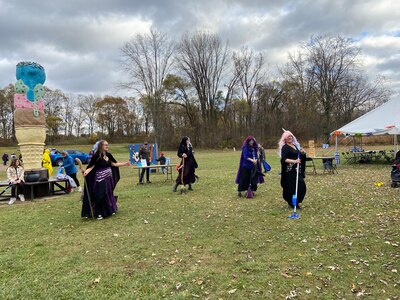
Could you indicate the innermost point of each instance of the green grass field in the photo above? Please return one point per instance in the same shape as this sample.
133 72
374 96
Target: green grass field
209 244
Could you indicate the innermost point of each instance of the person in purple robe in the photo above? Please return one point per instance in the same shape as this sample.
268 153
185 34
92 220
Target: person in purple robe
249 173
101 177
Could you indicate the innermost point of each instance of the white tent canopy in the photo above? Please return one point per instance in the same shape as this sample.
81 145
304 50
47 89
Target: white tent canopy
381 120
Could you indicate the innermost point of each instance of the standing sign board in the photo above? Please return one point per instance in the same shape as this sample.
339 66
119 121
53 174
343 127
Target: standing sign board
134 153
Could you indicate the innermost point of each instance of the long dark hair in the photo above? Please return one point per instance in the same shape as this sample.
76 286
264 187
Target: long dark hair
184 142
100 149
14 163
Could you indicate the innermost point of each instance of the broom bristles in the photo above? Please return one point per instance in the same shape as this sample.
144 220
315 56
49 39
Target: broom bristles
249 193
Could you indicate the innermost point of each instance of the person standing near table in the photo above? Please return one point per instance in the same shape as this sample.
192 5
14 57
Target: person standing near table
101 177
68 164
291 157
162 161
15 175
144 153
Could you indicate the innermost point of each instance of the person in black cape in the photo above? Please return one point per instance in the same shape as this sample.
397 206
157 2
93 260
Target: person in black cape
249 172
187 165
101 177
289 153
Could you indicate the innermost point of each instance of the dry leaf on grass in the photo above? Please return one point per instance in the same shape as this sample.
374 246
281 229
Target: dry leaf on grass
96 280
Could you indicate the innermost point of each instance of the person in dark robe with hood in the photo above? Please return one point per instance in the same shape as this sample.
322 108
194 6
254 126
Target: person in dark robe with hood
101 177
249 172
292 156
187 165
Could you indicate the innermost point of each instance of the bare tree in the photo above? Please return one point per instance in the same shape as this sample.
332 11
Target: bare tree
299 98
7 112
53 111
54 102
88 105
68 114
147 59
111 114
178 92
78 116
131 118
269 108
202 57
251 72
233 92
331 61
357 93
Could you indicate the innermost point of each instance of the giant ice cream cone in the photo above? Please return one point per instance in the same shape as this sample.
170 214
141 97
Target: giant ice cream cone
31 144
29 120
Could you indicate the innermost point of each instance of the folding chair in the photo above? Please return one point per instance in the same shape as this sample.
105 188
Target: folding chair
351 157
346 157
310 163
329 166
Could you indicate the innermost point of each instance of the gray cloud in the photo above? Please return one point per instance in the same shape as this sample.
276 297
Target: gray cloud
78 42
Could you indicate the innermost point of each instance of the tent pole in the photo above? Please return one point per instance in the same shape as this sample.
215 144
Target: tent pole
336 144
337 155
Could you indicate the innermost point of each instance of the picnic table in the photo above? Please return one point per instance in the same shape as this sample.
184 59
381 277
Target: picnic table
168 169
328 163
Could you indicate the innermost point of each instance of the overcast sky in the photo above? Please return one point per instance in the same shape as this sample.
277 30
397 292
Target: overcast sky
78 42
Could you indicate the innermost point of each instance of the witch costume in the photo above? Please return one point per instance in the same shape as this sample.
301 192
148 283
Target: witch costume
187 165
289 175
249 174
100 183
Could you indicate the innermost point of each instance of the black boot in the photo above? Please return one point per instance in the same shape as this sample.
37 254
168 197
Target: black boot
175 187
190 187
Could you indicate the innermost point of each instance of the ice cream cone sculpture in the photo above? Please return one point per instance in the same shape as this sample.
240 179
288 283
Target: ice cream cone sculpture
29 120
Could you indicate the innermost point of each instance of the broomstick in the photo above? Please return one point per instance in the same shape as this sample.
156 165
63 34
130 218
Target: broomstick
8 186
80 165
183 190
250 193
88 197
294 197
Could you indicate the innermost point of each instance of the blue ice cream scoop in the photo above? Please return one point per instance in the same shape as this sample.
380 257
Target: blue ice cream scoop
30 75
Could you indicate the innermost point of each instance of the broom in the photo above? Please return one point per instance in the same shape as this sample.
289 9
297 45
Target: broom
183 190
294 197
88 197
249 193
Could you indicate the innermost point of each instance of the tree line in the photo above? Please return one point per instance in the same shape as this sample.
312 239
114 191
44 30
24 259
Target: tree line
199 86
